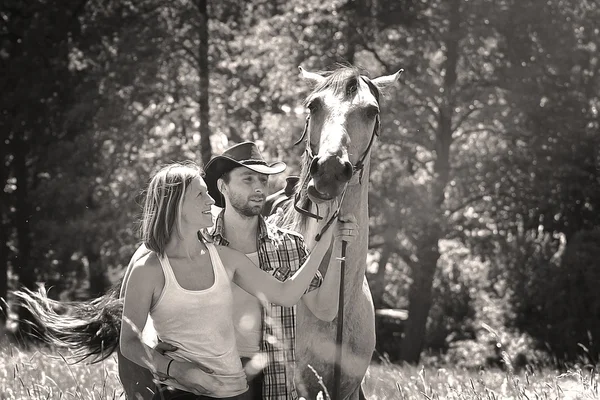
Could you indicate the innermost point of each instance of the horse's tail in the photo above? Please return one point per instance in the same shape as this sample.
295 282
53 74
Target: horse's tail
90 328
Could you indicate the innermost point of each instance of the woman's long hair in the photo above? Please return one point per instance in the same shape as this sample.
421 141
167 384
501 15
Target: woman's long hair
91 329
162 207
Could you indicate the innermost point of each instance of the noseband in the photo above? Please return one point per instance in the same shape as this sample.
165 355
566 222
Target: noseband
357 168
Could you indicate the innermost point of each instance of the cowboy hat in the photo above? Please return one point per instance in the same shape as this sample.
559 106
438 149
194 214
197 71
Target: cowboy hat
244 154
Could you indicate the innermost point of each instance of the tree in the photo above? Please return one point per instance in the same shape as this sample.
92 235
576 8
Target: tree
36 38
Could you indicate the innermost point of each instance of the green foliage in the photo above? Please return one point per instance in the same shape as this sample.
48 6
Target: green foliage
490 140
562 301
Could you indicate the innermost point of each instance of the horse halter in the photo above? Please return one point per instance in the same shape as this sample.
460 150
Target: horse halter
356 168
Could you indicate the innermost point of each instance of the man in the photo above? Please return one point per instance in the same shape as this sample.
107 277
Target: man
237 181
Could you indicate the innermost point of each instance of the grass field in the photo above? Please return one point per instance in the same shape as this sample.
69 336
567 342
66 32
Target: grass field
43 374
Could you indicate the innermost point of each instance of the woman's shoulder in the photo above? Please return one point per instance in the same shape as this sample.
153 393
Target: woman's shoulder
148 264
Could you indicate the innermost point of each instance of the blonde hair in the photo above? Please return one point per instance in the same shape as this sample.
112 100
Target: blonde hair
163 202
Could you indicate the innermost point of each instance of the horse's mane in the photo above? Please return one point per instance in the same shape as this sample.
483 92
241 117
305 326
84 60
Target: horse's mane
344 82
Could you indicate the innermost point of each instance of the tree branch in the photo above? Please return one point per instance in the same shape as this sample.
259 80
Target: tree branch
464 117
397 250
190 53
370 49
468 201
420 95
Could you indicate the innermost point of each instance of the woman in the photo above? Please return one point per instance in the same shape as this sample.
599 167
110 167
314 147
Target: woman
184 285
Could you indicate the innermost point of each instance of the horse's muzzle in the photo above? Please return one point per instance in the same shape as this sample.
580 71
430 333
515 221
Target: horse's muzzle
319 196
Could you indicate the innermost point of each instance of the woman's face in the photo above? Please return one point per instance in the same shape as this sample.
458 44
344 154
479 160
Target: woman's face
196 208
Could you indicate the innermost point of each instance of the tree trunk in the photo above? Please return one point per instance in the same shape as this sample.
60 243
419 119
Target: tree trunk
420 299
3 270
274 7
351 33
378 280
428 252
96 274
5 228
23 266
203 72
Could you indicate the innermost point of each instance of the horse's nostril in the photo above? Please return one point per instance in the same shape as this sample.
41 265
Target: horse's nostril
314 165
348 170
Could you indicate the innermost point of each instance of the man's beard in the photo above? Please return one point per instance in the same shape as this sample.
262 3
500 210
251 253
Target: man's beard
244 208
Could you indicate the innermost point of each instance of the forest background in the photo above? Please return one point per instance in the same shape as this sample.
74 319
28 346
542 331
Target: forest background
485 182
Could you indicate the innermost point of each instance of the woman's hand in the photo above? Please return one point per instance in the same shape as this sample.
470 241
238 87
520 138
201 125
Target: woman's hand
196 380
193 378
346 229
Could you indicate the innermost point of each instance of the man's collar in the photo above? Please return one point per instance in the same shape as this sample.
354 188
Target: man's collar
219 227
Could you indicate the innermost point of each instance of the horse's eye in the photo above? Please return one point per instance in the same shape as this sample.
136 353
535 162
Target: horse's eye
372 111
314 105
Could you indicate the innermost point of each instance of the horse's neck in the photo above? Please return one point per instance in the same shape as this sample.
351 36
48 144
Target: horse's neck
355 203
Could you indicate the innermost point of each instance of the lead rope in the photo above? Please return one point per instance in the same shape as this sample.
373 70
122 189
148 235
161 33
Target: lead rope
337 367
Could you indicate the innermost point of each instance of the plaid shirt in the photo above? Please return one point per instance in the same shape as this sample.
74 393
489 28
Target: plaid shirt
280 253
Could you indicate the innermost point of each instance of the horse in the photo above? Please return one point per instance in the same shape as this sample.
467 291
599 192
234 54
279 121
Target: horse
340 131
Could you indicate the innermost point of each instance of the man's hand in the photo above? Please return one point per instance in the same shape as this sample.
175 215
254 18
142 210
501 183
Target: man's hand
347 228
163 348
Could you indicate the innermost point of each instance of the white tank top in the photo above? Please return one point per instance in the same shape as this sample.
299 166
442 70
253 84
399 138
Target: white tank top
247 318
200 324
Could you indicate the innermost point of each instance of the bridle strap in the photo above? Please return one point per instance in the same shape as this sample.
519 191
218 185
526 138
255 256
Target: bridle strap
360 164
304 211
332 218
297 142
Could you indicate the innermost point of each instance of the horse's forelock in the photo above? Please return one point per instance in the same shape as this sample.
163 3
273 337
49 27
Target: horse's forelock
343 82
338 81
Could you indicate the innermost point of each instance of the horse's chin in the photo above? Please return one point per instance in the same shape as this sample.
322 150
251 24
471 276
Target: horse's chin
317 196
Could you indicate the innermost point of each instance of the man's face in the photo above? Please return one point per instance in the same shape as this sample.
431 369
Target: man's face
246 191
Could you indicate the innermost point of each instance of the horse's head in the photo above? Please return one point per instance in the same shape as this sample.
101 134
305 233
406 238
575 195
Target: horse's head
341 128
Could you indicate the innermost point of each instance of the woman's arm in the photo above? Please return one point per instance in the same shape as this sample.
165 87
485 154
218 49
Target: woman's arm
323 302
262 285
144 278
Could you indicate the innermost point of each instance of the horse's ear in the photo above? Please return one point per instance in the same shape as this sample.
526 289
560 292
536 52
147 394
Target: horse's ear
384 81
312 77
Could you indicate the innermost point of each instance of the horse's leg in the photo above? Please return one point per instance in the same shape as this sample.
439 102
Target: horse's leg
358 394
137 381
361 393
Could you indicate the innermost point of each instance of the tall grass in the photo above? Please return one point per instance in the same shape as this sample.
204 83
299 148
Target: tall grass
394 382
45 374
